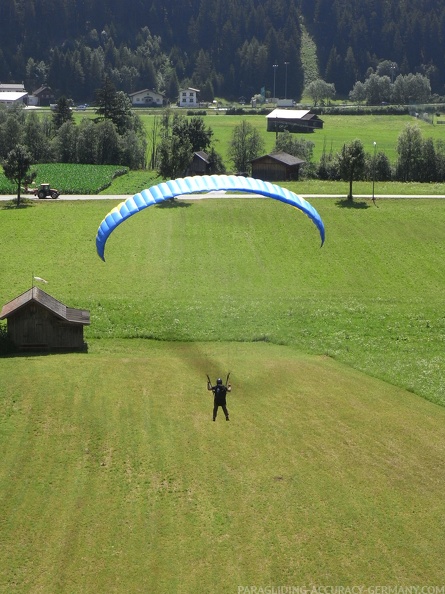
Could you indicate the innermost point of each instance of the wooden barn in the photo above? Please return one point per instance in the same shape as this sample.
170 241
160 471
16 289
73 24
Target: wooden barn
200 164
293 120
37 321
276 167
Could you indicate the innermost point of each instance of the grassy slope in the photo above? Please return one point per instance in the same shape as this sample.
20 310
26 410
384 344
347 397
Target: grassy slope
114 480
250 270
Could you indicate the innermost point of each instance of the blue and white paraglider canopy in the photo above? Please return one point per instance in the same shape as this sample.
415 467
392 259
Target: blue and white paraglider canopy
198 184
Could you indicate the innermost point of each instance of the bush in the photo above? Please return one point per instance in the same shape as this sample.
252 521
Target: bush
6 345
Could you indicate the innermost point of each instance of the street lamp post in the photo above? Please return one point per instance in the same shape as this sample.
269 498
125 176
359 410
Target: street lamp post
373 173
275 66
285 80
393 68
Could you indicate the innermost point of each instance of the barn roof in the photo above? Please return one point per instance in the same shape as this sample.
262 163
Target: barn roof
282 157
292 114
202 155
11 96
288 114
69 314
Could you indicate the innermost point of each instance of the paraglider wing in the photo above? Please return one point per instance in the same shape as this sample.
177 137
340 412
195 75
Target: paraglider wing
198 184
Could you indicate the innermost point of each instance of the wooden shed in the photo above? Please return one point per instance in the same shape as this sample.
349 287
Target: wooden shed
200 164
293 120
37 321
276 167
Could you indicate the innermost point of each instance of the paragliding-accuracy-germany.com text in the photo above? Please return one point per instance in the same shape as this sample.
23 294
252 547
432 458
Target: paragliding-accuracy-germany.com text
359 589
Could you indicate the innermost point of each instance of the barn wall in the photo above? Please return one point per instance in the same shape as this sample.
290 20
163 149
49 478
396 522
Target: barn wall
271 170
35 327
293 126
268 171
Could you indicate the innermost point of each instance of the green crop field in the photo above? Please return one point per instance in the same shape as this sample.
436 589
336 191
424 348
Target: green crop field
113 477
70 178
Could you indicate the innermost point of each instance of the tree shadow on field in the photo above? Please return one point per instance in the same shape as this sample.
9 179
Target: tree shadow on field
347 203
172 203
12 204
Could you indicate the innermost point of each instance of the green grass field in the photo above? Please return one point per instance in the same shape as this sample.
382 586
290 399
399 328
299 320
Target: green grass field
331 472
337 129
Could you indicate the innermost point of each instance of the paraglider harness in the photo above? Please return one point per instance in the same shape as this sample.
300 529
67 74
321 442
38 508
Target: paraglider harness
219 391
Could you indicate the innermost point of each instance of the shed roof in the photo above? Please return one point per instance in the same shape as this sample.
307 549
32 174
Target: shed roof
281 157
69 314
202 155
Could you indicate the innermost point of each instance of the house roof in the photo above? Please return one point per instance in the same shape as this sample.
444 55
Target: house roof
282 157
69 314
151 91
43 89
189 89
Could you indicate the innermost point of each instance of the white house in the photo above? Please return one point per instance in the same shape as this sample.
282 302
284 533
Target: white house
147 98
188 97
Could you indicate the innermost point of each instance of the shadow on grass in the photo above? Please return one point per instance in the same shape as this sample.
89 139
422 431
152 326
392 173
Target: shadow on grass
172 203
12 204
346 203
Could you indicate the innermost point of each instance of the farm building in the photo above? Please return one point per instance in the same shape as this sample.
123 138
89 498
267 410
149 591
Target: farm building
13 97
293 120
12 88
41 96
276 167
200 164
37 321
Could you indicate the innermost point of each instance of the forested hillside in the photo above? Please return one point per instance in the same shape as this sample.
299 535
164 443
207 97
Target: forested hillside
223 47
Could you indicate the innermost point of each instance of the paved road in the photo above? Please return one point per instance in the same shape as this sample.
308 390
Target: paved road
218 194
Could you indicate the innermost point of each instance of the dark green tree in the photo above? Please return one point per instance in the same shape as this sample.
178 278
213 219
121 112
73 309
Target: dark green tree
246 144
16 167
409 149
180 138
65 143
216 164
106 100
174 154
351 163
115 106
195 130
62 113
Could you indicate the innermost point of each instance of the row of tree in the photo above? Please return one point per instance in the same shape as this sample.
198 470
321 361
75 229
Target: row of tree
116 136
223 47
377 89
419 159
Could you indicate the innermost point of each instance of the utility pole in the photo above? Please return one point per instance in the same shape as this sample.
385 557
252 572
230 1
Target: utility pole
275 66
285 80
